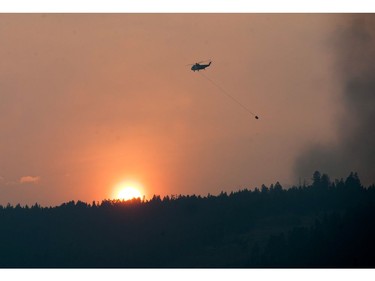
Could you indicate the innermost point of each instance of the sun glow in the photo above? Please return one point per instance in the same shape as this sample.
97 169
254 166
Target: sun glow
128 190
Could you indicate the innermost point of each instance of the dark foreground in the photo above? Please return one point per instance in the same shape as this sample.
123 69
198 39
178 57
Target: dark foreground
323 225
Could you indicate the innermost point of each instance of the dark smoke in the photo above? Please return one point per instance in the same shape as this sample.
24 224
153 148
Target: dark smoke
355 150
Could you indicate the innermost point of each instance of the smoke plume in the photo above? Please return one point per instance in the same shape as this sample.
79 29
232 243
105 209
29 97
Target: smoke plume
355 148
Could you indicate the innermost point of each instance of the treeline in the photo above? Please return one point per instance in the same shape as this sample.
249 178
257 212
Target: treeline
324 224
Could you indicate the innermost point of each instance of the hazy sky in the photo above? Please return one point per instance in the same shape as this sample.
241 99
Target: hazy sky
89 100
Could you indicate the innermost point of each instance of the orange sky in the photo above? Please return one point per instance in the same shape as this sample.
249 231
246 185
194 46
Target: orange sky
89 100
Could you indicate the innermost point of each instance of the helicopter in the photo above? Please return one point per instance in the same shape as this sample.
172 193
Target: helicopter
197 66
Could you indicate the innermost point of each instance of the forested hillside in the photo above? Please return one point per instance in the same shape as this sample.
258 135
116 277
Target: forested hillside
325 224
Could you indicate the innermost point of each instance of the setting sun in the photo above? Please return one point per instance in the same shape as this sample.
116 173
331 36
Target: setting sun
128 190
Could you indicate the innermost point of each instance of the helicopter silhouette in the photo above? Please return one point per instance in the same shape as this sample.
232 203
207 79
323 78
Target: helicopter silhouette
198 66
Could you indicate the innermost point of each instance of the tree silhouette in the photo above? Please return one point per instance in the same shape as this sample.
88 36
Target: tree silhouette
325 224
353 182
